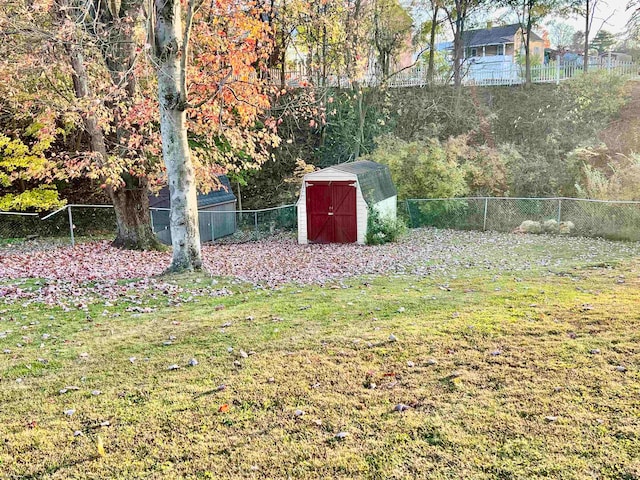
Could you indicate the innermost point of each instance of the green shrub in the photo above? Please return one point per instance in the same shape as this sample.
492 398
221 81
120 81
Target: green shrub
382 230
420 169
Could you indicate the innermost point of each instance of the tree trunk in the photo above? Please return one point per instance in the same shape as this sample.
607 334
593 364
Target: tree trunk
325 47
458 43
385 64
133 219
432 44
527 52
585 62
132 211
361 119
131 202
283 64
170 48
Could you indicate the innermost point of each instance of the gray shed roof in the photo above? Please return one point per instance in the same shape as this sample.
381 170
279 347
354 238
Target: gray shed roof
374 179
493 36
217 196
222 194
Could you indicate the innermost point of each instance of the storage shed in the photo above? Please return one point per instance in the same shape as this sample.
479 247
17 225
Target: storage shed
216 213
334 202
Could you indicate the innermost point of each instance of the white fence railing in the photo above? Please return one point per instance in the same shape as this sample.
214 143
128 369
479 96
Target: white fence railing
474 73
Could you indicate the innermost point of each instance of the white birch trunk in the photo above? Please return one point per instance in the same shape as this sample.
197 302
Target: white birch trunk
168 46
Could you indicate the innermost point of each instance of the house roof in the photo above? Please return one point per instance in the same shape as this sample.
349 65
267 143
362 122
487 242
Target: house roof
217 196
374 179
494 35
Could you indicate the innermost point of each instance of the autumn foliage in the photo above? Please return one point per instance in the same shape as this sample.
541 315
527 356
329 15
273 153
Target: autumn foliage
227 96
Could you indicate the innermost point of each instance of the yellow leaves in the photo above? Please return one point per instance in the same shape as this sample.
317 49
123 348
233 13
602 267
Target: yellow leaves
19 161
41 199
100 447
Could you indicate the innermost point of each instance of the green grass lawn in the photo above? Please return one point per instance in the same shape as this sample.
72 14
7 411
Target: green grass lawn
505 376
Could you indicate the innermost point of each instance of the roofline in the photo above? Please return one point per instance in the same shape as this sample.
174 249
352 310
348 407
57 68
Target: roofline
495 26
489 44
534 35
218 203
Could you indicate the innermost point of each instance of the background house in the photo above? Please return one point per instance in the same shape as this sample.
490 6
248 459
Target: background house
501 44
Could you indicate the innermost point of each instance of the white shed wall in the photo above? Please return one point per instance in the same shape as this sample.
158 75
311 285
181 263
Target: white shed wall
388 208
362 214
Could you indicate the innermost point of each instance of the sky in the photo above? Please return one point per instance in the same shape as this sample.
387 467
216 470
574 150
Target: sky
614 11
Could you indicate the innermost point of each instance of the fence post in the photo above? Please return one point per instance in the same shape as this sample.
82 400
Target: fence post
153 228
486 206
255 221
558 71
409 211
73 240
213 237
559 210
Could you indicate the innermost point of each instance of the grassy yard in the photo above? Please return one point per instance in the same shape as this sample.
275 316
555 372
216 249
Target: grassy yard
500 374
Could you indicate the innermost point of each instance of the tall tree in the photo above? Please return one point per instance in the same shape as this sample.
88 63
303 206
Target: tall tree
206 73
357 52
433 29
170 41
458 13
587 9
320 35
531 13
433 10
561 34
65 35
603 41
577 41
112 27
391 31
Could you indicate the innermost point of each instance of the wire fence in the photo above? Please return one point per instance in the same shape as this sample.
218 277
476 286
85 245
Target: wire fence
614 220
90 222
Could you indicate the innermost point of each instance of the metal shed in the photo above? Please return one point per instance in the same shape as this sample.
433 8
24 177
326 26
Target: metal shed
216 213
334 202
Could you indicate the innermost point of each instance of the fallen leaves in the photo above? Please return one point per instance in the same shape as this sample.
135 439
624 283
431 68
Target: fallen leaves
401 407
100 446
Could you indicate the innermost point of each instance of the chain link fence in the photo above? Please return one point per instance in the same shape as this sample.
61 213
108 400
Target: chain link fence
614 220
90 222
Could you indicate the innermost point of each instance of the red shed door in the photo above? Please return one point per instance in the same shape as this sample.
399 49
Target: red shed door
331 212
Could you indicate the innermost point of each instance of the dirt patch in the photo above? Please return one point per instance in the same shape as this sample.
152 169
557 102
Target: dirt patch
623 134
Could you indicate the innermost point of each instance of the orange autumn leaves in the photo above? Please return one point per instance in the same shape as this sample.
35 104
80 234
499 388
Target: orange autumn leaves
227 125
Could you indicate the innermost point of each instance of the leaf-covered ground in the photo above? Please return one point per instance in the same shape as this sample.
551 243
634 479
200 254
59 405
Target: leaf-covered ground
281 260
451 355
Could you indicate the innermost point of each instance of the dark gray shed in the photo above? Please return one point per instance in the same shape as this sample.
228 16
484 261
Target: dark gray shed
216 212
